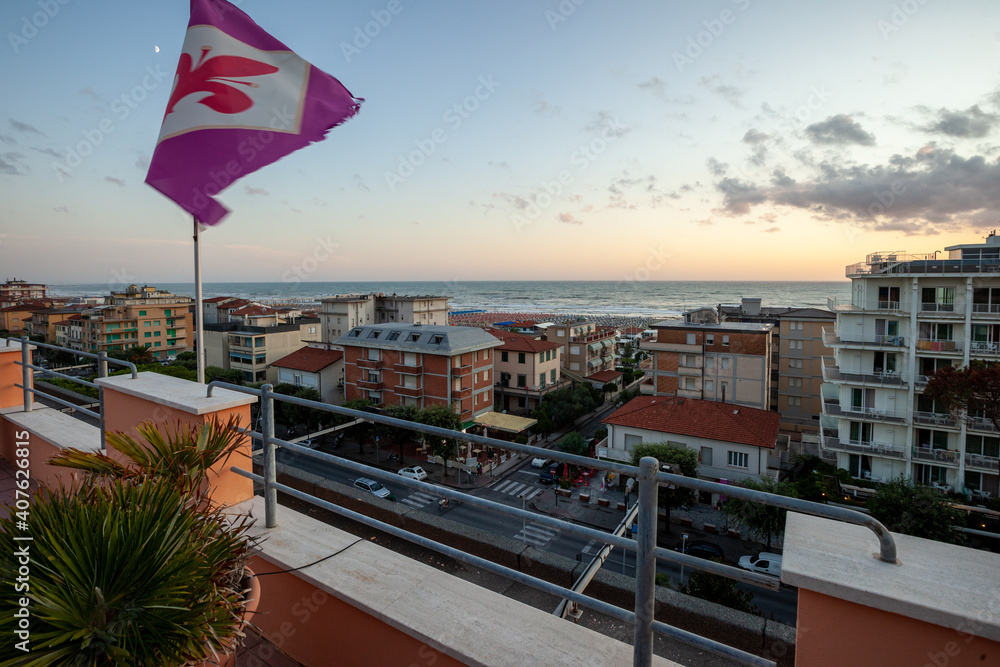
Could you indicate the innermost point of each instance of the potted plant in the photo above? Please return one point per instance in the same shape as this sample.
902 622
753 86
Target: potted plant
135 565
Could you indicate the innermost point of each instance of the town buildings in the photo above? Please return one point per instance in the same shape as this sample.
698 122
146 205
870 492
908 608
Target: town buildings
341 313
253 349
15 291
413 364
315 366
526 369
14 318
909 315
587 348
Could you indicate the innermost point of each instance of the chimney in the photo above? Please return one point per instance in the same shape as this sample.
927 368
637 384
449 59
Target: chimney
723 393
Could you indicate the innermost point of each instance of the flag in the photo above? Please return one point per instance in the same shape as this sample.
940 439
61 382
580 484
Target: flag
241 100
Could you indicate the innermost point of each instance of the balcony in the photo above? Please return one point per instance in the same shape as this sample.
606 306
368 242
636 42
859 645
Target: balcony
980 424
868 448
834 339
372 364
986 310
942 310
834 409
946 456
934 419
458 394
415 392
406 369
461 371
694 371
370 385
982 462
832 373
981 348
938 345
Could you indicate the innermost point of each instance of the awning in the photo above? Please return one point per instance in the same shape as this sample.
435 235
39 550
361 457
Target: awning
466 425
608 358
505 422
607 343
594 346
594 362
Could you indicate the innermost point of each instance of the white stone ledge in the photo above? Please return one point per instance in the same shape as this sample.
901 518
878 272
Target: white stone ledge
947 585
57 428
469 623
176 393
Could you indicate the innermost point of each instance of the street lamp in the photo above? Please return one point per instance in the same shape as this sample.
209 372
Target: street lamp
524 521
684 539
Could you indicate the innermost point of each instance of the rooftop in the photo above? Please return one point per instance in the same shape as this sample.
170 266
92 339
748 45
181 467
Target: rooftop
605 376
516 342
725 422
423 338
309 359
745 327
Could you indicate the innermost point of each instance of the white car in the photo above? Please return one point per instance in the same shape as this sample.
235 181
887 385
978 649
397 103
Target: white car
540 462
764 563
414 472
373 487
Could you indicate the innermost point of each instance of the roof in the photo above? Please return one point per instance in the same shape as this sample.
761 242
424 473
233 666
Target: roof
442 339
504 422
746 327
605 376
725 422
309 359
516 342
254 311
218 299
809 312
235 303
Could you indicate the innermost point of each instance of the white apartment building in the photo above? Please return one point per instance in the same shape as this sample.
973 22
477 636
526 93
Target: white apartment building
339 314
909 315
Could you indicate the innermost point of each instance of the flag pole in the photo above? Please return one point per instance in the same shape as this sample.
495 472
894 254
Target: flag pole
199 315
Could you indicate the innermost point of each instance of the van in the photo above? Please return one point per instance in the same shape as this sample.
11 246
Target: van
764 563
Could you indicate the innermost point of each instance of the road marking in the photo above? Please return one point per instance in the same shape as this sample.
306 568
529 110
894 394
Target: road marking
502 485
515 489
536 534
591 543
418 499
534 493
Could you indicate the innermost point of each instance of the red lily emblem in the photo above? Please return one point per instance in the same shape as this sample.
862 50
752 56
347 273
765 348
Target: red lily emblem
209 76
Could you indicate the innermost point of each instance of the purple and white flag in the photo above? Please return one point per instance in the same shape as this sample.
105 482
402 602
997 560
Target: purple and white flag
241 100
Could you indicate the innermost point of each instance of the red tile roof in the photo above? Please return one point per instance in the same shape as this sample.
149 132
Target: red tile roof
725 422
254 311
217 299
238 303
605 376
517 342
309 359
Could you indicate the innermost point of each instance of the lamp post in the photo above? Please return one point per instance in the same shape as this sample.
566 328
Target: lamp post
524 522
684 539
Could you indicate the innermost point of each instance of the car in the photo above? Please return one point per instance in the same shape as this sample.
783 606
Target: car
374 488
309 442
540 462
701 549
764 563
549 475
414 472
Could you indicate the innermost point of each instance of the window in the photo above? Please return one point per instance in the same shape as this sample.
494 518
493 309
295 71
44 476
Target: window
142 313
437 339
156 323
147 324
796 344
353 333
574 349
148 334
520 357
725 341
739 459
413 337
795 363
157 333
374 333
725 388
522 380
709 339
374 355
710 362
692 339
795 401
795 383
393 335
725 363
503 356
689 383
541 379
706 456
796 326
486 354
552 376
709 386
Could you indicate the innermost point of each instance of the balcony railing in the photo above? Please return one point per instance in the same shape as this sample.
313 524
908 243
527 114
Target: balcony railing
370 385
982 462
942 308
938 345
373 364
832 373
947 456
986 309
980 424
408 369
984 348
835 409
934 419
925 264
460 371
415 392
835 339
647 554
461 393
870 448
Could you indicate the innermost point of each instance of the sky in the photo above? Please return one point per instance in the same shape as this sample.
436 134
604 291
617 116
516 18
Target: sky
519 140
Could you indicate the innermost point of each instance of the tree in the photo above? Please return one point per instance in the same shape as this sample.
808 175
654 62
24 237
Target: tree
968 392
563 406
290 414
905 507
359 431
574 443
763 522
718 589
683 460
397 434
609 388
140 354
441 416
230 375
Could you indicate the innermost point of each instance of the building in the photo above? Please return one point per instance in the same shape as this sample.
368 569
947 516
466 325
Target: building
800 369
910 315
43 321
412 364
210 308
257 316
19 290
317 367
69 332
527 369
732 442
344 312
728 362
587 348
602 379
12 318
253 350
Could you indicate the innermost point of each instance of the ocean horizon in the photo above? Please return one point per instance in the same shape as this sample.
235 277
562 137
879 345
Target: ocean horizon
633 299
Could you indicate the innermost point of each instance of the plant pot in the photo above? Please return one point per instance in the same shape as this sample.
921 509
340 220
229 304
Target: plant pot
252 586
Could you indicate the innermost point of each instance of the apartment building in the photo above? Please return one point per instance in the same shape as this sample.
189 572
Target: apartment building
412 364
253 350
587 348
315 366
43 321
527 369
13 318
909 315
343 312
69 332
800 368
13 291
728 362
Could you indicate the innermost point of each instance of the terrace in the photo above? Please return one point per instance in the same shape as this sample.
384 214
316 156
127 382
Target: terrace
381 607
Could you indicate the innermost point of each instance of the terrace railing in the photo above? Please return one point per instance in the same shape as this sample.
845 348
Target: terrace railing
648 475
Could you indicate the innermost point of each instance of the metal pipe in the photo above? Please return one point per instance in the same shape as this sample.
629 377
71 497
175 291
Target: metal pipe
60 401
102 372
199 316
645 564
89 355
26 376
270 475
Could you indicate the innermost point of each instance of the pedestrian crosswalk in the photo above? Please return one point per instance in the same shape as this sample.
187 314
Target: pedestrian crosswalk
419 499
514 488
536 534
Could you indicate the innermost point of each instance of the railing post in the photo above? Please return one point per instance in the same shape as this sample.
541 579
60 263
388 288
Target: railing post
26 374
267 431
102 372
645 564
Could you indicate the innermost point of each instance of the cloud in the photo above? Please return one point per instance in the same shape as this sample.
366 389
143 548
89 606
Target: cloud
715 167
754 136
499 165
839 129
727 91
517 201
8 139
569 219
61 209
973 122
142 163
779 178
7 164
89 93
706 222
739 196
359 183
255 191
772 230
606 123
48 151
24 127
654 85
117 181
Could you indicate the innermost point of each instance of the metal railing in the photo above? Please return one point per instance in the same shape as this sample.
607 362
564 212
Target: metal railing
647 553
28 370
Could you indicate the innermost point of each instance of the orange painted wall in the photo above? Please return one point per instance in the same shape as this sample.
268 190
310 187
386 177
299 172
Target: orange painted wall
317 629
831 631
10 374
39 451
124 412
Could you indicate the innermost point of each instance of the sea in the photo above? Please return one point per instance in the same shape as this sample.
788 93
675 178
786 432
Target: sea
609 300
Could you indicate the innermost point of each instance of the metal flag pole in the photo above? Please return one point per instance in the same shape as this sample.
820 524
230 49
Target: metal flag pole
198 313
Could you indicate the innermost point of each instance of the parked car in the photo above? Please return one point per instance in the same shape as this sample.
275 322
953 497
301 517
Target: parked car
549 475
414 472
310 443
373 487
764 563
540 462
701 549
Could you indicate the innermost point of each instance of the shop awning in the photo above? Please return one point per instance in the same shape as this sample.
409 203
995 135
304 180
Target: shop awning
504 422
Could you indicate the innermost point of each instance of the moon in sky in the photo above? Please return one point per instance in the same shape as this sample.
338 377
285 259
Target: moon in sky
156 48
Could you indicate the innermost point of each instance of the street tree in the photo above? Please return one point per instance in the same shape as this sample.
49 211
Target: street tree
683 461
763 522
968 392
574 443
718 589
397 434
441 416
905 507
359 431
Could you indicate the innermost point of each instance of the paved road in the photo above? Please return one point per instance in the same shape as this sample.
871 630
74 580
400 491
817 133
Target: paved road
780 605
